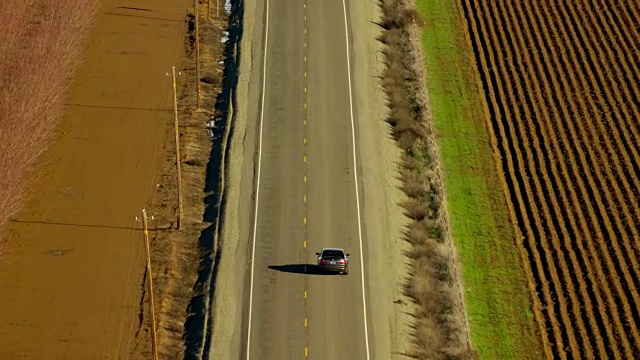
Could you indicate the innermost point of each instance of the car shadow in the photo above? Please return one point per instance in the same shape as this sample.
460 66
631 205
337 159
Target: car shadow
308 269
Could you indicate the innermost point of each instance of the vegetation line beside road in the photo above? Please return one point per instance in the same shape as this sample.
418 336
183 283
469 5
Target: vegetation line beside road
183 259
440 330
496 295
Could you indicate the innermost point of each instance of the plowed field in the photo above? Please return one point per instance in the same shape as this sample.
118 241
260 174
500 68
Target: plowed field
561 84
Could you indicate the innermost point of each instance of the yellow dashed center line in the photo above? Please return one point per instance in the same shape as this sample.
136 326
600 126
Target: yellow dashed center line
305 189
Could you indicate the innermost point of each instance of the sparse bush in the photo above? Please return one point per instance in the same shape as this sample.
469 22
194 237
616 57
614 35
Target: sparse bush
412 186
437 330
405 139
409 163
435 233
40 46
415 209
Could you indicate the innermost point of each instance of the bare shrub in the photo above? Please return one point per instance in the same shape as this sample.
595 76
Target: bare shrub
438 332
415 209
409 163
392 38
405 139
41 45
412 186
417 232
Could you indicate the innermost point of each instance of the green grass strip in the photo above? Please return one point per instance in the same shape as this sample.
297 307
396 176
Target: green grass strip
497 299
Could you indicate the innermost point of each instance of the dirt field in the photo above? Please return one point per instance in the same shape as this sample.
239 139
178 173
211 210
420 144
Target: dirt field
72 285
561 87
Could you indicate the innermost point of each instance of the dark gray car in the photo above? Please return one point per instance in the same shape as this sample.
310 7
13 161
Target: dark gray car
333 260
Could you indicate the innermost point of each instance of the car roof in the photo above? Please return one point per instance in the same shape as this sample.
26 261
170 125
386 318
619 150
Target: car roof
333 249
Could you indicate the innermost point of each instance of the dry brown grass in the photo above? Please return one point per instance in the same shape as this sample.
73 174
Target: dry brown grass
438 330
176 254
40 47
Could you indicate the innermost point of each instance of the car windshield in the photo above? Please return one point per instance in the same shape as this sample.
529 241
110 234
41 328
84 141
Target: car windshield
333 254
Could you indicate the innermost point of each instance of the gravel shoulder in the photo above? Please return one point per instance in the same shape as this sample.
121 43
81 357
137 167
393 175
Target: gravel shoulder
383 217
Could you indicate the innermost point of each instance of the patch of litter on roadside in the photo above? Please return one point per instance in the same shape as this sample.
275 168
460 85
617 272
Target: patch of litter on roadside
225 37
227 6
211 128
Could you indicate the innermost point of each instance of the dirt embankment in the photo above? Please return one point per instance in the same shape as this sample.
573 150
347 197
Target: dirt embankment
183 260
440 327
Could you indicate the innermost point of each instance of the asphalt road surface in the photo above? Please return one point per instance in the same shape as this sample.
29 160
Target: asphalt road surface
306 191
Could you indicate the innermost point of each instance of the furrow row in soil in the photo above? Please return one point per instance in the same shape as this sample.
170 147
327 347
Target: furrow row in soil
518 187
616 201
551 158
537 277
535 156
561 88
606 130
584 164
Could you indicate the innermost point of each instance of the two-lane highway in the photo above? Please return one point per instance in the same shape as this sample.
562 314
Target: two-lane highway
306 191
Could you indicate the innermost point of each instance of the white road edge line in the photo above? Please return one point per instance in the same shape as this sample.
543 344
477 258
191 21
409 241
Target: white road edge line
355 176
255 213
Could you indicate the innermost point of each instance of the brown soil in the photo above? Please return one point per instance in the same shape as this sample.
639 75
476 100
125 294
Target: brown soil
73 284
561 85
